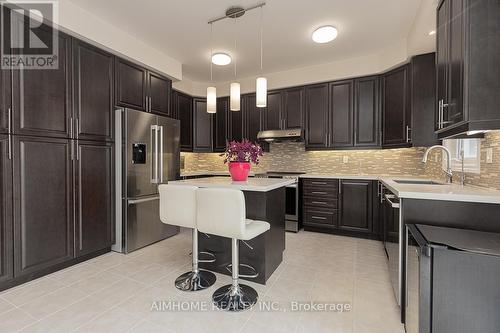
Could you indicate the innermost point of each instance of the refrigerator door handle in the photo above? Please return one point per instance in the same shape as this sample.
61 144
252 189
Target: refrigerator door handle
160 157
154 154
138 201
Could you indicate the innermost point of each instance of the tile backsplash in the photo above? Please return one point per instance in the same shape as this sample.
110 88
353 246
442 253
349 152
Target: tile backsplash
489 175
292 156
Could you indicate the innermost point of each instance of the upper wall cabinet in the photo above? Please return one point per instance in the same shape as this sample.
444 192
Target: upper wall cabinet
182 109
423 100
251 117
316 133
274 110
93 91
140 89
468 54
341 123
42 98
293 110
159 94
202 126
366 112
396 108
221 124
130 85
235 125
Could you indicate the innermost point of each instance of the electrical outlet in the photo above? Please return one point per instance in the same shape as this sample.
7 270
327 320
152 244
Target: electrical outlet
345 159
489 155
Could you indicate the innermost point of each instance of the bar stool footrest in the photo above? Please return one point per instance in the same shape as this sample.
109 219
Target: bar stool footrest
209 254
248 276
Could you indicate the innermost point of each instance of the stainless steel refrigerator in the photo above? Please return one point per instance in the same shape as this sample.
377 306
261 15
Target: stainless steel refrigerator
149 156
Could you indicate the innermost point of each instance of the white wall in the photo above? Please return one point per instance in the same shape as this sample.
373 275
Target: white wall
77 21
419 41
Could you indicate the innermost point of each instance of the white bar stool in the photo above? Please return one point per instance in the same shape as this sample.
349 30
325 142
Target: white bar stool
178 207
222 212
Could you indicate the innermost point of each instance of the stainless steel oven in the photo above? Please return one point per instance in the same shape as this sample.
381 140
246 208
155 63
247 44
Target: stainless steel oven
292 198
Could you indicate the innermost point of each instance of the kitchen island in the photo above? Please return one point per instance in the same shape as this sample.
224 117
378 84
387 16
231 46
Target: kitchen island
265 201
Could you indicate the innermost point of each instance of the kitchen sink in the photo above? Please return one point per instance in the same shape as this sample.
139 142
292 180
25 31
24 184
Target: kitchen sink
417 182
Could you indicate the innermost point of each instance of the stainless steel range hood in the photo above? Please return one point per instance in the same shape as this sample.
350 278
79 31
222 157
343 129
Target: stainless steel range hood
292 134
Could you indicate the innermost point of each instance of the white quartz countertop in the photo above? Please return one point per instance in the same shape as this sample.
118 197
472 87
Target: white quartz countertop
252 184
446 192
333 176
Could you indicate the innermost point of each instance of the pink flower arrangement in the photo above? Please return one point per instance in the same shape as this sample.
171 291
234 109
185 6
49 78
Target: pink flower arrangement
244 151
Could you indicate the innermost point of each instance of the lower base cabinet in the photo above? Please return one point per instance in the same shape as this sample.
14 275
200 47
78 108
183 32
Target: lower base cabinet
56 204
43 204
340 206
6 232
94 204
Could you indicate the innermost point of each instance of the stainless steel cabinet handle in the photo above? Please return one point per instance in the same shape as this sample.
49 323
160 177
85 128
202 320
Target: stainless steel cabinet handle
408 129
9 153
9 121
318 218
161 153
440 114
388 197
322 193
136 201
318 183
318 202
77 127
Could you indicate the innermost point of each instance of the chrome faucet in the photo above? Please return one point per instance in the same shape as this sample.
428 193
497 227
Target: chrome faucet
449 173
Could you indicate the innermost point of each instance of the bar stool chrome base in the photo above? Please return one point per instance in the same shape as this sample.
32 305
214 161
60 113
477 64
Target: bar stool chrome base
194 281
235 298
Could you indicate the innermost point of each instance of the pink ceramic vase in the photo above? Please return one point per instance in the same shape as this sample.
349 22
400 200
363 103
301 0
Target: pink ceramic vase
239 171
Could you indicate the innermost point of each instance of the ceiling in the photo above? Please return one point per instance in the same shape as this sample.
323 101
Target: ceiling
180 30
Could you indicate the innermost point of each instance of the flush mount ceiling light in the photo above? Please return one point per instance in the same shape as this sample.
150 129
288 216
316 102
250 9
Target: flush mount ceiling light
325 34
221 59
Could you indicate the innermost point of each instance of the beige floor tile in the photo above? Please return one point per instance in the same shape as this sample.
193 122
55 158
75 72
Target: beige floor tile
118 292
29 291
326 322
5 306
76 273
114 320
48 304
14 320
151 274
97 282
130 267
149 327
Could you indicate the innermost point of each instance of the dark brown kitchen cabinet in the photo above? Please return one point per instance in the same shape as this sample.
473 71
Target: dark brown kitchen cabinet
131 86
6 226
94 204
366 112
5 101
142 89
251 117
468 49
43 204
293 109
235 122
202 126
356 204
93 92
316 129
341 121
221 124
159 94
183 109
396 108
42 97
274 110
423 100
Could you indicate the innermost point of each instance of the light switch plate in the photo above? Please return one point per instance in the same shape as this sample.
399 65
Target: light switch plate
345 159
489 155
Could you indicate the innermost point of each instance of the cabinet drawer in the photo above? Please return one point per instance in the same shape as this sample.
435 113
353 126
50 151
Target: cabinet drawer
322 203
321 192
321 183
318 217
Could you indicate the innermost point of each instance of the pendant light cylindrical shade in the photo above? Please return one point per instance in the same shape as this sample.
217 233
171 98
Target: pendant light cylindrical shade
261 89
211 100
234 98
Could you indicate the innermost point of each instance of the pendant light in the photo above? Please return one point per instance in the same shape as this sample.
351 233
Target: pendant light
211 91
235 90
261 82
